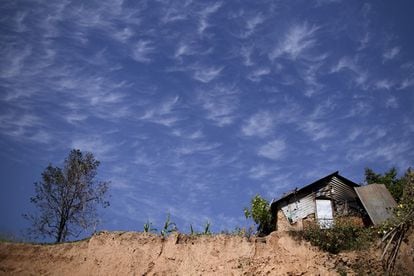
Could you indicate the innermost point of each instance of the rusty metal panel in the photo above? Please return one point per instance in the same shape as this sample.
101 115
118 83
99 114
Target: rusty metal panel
377 201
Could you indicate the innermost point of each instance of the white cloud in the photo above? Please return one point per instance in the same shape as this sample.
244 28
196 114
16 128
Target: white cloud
192 135
384 84
13 61
123 35
260 171
141 51
176 11
392 152
297 40
193 148
204 14
274 150
316 130
25 127
246 53
391 102
103 150
360 76
252 23
162 113
260 124
407 83
257 74
183 49
391 53
206 74
359 109
75 117
220 102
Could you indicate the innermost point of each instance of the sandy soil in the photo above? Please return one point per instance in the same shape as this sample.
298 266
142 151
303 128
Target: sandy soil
131 253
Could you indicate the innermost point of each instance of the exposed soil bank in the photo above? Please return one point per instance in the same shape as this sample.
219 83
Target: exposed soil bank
130 253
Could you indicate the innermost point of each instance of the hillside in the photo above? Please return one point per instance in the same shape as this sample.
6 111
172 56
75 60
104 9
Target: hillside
131 253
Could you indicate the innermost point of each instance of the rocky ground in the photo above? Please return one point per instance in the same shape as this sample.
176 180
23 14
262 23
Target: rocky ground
131 253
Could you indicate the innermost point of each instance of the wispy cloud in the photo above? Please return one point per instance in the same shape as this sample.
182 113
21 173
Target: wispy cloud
204 14
391 102
183 49
261 171
274 150
391 152
252 23
192 135
176 11
360 76
206 74
246 53
24 127
316 130
391 53
142 50
297 40
102 149
220 102
257 74
15 59
199 147
162 113
408 82
384 84
259 124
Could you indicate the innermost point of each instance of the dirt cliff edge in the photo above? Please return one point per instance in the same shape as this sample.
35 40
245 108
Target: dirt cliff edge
131 253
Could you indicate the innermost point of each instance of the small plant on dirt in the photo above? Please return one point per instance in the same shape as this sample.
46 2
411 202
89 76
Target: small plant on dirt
207 230
192 232
148 227
169 227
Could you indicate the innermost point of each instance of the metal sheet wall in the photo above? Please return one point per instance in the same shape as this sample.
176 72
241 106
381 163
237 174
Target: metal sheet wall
299 208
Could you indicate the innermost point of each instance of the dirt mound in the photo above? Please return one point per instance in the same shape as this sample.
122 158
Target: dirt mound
130 253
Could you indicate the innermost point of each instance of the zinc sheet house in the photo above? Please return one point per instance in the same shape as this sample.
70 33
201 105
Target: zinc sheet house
325 200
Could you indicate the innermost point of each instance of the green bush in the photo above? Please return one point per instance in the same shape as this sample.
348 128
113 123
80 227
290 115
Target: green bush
260 213
344 235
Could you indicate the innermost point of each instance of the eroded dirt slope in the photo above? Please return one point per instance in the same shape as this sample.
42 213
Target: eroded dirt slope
130 253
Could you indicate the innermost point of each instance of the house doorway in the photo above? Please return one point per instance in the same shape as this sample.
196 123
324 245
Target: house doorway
324 213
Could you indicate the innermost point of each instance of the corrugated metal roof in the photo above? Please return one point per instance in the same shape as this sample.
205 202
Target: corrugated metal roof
309 188
377 201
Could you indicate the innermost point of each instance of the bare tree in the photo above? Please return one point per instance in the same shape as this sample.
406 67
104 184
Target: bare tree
67 198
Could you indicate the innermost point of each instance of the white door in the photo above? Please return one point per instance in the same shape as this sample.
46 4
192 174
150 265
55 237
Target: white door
324 213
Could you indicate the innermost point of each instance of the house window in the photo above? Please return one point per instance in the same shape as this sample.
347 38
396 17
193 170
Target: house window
324 213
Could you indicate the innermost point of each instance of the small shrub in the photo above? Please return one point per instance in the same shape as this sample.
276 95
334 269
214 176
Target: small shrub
148 227
207 230
260 213
192 232
344 235
169 227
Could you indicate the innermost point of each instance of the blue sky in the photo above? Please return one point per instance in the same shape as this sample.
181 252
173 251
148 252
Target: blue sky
193 107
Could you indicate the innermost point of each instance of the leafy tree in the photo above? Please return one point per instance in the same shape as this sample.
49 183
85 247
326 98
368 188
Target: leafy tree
394 184
261 215
67 198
